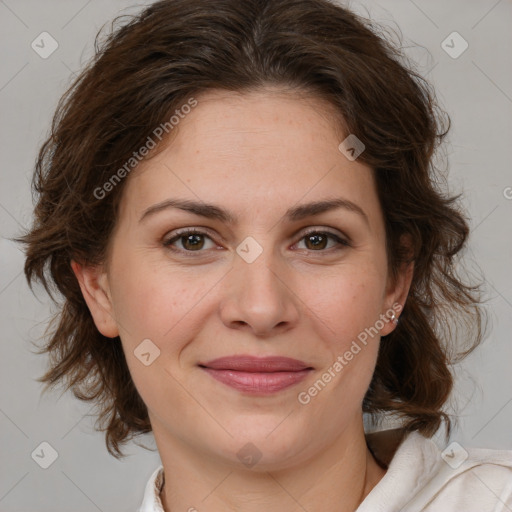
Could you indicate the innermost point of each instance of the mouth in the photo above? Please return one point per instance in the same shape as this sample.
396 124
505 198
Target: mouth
257 375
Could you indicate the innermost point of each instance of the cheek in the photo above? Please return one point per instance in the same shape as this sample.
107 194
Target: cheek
348 306
347 301
154 302
150 300
151 306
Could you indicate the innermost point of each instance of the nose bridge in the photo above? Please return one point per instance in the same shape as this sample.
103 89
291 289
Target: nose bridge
258 296
255 265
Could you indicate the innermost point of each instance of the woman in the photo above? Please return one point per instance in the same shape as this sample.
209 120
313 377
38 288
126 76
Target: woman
239 206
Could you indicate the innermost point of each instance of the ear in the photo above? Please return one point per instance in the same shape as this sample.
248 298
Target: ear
396 293
94 284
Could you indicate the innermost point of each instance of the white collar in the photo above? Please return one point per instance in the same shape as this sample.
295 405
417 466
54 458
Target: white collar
415 475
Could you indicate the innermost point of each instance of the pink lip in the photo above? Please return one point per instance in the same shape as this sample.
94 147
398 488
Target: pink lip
245 363
257 375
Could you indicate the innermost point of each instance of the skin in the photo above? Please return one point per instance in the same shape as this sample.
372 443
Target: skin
255 154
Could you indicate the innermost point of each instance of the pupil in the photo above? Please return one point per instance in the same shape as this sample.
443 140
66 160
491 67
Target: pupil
193 240
320 243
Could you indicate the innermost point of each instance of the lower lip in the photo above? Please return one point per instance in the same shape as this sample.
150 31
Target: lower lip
258 383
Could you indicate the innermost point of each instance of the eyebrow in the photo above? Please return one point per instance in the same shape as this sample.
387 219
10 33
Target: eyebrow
295 213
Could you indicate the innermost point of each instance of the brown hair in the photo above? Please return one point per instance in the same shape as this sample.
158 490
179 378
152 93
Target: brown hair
154 63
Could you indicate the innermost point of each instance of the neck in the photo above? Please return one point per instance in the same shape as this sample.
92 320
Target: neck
337 479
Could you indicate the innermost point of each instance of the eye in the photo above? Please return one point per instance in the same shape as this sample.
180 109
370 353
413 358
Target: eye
317 240
191 240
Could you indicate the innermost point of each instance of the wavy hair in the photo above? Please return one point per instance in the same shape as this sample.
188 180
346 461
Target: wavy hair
149 65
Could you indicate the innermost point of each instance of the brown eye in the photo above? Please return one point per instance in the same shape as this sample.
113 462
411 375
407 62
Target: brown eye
318 240
190 241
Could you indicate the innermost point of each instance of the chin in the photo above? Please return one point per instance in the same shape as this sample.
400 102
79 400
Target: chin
265 447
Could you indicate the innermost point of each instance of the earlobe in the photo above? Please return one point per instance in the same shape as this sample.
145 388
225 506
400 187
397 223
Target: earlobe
403 284
397 296
95 289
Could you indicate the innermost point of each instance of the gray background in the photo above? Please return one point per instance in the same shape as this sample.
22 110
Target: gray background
476 90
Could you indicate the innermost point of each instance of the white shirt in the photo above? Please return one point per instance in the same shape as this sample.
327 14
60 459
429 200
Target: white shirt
419 478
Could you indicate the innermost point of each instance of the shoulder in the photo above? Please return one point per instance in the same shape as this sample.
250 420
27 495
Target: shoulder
472 479
421 476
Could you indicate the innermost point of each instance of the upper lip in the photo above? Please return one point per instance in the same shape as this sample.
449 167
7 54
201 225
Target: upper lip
246 363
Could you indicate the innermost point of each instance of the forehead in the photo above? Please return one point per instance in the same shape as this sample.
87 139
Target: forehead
253 151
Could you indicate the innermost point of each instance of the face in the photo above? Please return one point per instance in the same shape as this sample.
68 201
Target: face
260 276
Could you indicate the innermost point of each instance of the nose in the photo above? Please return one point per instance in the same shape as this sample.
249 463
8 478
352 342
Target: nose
259 296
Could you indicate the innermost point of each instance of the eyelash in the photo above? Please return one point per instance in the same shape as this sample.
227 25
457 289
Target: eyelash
193 231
